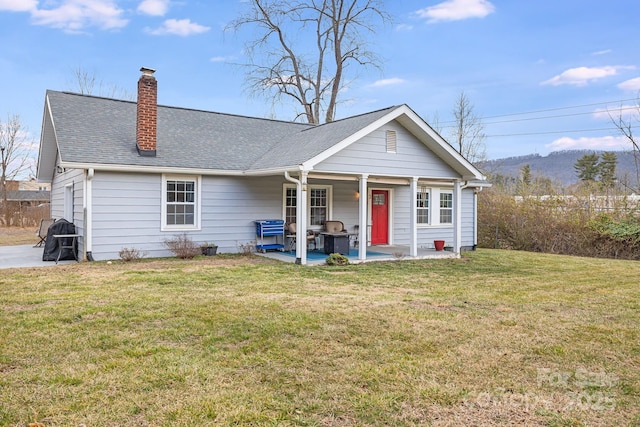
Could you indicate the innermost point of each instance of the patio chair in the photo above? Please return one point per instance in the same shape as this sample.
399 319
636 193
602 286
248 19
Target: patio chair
311 237
42 231
334 227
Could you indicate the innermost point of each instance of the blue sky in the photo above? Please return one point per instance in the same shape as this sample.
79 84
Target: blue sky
563 62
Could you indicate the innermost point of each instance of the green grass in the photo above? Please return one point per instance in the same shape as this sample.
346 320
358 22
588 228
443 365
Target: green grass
495 338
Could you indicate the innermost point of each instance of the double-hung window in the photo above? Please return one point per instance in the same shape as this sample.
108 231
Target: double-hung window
446 208
180 203
318 202
423 206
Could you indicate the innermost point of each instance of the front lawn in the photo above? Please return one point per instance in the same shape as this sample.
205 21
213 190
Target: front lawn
495 338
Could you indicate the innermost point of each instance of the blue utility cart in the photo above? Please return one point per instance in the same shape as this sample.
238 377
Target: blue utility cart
270 235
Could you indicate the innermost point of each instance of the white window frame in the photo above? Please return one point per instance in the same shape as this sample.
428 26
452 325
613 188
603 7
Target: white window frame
427 208
329 189
197 180
434 206
442 209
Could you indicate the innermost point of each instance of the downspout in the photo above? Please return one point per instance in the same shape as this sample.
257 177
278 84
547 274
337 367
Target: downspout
88 214
300 238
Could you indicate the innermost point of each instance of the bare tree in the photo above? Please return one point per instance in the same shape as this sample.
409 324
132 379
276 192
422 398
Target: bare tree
15 159
306 51
625 123
468 131
87 83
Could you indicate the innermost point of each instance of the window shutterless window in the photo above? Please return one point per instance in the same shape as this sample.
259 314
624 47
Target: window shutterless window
423 206
181 203
318 206
318 201
446 208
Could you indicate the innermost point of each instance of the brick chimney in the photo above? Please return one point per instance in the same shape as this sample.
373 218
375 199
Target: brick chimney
147 117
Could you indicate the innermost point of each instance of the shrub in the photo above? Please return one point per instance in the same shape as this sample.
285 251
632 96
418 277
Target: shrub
130 254
337 259
247 248
182 246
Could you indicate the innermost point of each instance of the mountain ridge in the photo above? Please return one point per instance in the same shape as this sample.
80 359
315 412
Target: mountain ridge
557 165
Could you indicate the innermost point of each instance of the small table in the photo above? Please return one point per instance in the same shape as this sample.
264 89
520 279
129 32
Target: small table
63 243
336 243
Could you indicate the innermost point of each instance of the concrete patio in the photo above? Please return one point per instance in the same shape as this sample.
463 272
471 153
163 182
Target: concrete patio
25 256
374 253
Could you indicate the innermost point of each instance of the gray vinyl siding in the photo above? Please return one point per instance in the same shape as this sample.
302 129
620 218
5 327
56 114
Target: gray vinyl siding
75 178
127 212
427 234
468 215
369 155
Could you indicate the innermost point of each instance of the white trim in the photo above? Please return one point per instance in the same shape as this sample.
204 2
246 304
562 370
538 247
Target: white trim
415 124
328 187
68 207
197 205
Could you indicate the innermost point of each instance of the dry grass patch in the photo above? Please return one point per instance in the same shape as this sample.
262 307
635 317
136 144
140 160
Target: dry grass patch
11 236
497 338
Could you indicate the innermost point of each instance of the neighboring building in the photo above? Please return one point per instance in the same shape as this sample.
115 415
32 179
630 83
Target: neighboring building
131 175
28 193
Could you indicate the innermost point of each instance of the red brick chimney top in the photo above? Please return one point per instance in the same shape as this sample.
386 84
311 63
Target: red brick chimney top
147 116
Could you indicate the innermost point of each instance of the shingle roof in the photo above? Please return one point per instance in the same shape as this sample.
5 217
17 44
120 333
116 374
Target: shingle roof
102 131
28 196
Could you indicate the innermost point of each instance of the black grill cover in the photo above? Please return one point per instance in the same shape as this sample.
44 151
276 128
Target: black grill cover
51 245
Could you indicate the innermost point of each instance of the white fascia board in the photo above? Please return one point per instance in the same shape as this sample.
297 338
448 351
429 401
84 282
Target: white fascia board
148 169
443 147
309 164
44 152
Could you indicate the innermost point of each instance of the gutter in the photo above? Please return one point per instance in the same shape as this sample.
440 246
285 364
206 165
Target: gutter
88 214
299 237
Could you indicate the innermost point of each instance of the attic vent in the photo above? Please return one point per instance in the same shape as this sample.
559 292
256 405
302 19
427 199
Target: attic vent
392 141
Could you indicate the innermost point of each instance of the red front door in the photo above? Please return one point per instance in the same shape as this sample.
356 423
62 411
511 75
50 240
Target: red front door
379 217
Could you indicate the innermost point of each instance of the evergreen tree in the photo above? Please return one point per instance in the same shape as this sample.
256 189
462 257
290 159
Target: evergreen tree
586 167
607 169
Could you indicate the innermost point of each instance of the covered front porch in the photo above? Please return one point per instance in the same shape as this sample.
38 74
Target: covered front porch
402 215
374 253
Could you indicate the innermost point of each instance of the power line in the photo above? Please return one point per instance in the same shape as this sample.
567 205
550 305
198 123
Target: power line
552 109
550 132
542 117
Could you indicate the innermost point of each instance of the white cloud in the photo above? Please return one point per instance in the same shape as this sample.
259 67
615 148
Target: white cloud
222 58
154 7
456 10
74 15
18 5
602 52
404 27
586 143
179 27
388 82
632 85
582 76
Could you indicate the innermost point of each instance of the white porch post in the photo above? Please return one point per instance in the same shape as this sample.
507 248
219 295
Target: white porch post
413 217
457 216
301 219
362 211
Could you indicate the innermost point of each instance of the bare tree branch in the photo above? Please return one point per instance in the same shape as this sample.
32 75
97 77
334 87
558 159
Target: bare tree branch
625 126
468 132
303 49
15 159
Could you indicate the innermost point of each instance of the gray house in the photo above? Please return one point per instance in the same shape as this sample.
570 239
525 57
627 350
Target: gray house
133 174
